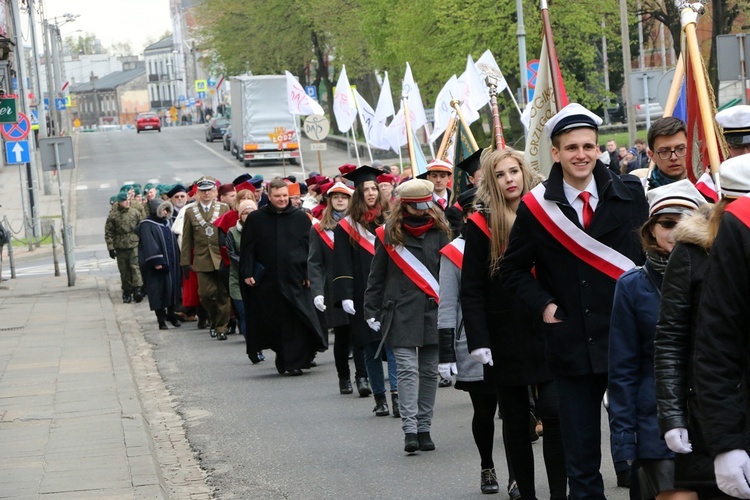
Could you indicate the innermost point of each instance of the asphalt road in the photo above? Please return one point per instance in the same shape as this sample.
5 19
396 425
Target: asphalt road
258 434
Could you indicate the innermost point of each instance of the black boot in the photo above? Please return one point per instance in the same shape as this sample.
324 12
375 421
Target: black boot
202 322
345 386
127 297
489 484
363 387
173 318
425 441
394 404
161 315
137 294
411 444
381 406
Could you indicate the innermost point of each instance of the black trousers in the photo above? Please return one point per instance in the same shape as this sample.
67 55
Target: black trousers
341 346
516 407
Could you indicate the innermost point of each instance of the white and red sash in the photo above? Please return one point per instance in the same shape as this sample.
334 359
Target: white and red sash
707 187
594 253
481 221
740 208
411 267
325 234
454 251
359 234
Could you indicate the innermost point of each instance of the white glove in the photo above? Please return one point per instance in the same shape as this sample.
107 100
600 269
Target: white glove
319 303
348 306
447 370
482 355
677 440
375 325
732 470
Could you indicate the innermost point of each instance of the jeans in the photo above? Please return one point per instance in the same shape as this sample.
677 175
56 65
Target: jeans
375 369
417 381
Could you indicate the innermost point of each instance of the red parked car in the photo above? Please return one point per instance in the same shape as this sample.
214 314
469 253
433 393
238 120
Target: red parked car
147 121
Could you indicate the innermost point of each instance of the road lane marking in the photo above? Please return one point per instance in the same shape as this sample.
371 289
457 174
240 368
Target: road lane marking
216 153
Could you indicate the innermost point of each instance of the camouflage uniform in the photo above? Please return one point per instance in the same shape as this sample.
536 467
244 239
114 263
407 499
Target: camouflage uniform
119 233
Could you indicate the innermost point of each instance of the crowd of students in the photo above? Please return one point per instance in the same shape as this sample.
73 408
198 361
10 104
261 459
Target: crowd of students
535 296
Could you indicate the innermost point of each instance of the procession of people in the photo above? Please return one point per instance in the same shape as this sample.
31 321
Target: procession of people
540 298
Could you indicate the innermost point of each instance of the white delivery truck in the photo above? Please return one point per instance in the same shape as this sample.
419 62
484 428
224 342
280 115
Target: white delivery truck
262 127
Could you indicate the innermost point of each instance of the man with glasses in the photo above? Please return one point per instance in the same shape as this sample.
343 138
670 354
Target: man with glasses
736 124
667 147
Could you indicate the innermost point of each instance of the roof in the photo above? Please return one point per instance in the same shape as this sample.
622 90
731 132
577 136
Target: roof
164 43
110 81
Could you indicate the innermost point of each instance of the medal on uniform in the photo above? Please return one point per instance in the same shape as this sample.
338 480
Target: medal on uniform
207 227
209 231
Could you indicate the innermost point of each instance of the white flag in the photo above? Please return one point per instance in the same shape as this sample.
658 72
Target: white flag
443 108
410 90
344 108
490 61
384 109
539 110
299 102
371 127
395 133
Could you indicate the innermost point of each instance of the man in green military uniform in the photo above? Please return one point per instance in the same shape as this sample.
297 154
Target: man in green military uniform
201 253
122 243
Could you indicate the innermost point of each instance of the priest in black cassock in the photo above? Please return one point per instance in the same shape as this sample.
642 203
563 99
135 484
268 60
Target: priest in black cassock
275 285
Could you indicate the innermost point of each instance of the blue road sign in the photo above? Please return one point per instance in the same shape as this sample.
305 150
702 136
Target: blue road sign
191 101
17 152
14 83
201 95
212 83
312 91
46 104
181 99
60 103
532 69
35 117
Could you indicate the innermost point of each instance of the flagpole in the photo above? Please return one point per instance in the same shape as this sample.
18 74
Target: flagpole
674 89
362 121
428 131
449 131
299 144
456 106
689 18
551 52
409 139
356 147
400 160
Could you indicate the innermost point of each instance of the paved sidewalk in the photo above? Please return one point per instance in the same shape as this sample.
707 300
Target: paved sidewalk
73 421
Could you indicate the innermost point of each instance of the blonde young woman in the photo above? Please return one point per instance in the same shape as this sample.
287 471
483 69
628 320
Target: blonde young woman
500 330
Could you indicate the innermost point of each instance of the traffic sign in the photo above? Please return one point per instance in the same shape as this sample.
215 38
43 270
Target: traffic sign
181 99
34 119
60 103
317 127
46 104
8 111
201 95
212 83
17 152
312 91
16 131
532 69
201 85
191 101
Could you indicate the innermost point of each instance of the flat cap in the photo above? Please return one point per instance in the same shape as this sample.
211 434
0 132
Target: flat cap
417 193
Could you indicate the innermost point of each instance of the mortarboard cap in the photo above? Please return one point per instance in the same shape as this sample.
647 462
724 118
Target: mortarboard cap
571 116
470 164
363 174
245 185
736 124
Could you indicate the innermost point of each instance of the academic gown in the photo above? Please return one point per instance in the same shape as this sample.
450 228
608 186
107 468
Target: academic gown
279 308
158 246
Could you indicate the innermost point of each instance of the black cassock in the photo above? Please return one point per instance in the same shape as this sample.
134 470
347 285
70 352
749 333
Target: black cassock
158 246
279 308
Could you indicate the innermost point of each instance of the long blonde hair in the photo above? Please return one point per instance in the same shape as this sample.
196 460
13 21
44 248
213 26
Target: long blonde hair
492 203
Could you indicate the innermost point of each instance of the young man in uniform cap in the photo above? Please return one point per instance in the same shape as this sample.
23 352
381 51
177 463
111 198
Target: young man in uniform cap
722 343
439 172
578 232
736 124
201 254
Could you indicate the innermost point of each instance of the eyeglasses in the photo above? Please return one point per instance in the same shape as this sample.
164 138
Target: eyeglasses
667 224
666 154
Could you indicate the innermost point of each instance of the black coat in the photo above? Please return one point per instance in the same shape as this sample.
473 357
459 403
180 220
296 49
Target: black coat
578 345
320 269
277 243
351 267
722 347
495 318
158 247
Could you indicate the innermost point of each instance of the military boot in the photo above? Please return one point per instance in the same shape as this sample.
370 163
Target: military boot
127 296
137 295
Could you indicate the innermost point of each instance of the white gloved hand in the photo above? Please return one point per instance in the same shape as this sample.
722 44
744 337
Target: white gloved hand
372 323
482 355
677 440
319 303
732 469
348 306
447 370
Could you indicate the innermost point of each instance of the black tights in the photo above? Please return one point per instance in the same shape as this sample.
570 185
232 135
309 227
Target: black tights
483 428
516 410
341 345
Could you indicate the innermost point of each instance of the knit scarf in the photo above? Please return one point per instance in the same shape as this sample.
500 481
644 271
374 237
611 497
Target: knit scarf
337 216
371 214
657 178
417 226
657 262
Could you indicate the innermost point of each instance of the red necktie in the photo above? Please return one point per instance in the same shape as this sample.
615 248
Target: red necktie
442 203
588 212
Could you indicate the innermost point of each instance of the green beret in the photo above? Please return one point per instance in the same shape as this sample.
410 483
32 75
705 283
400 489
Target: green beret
113 200
121 196
148 186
